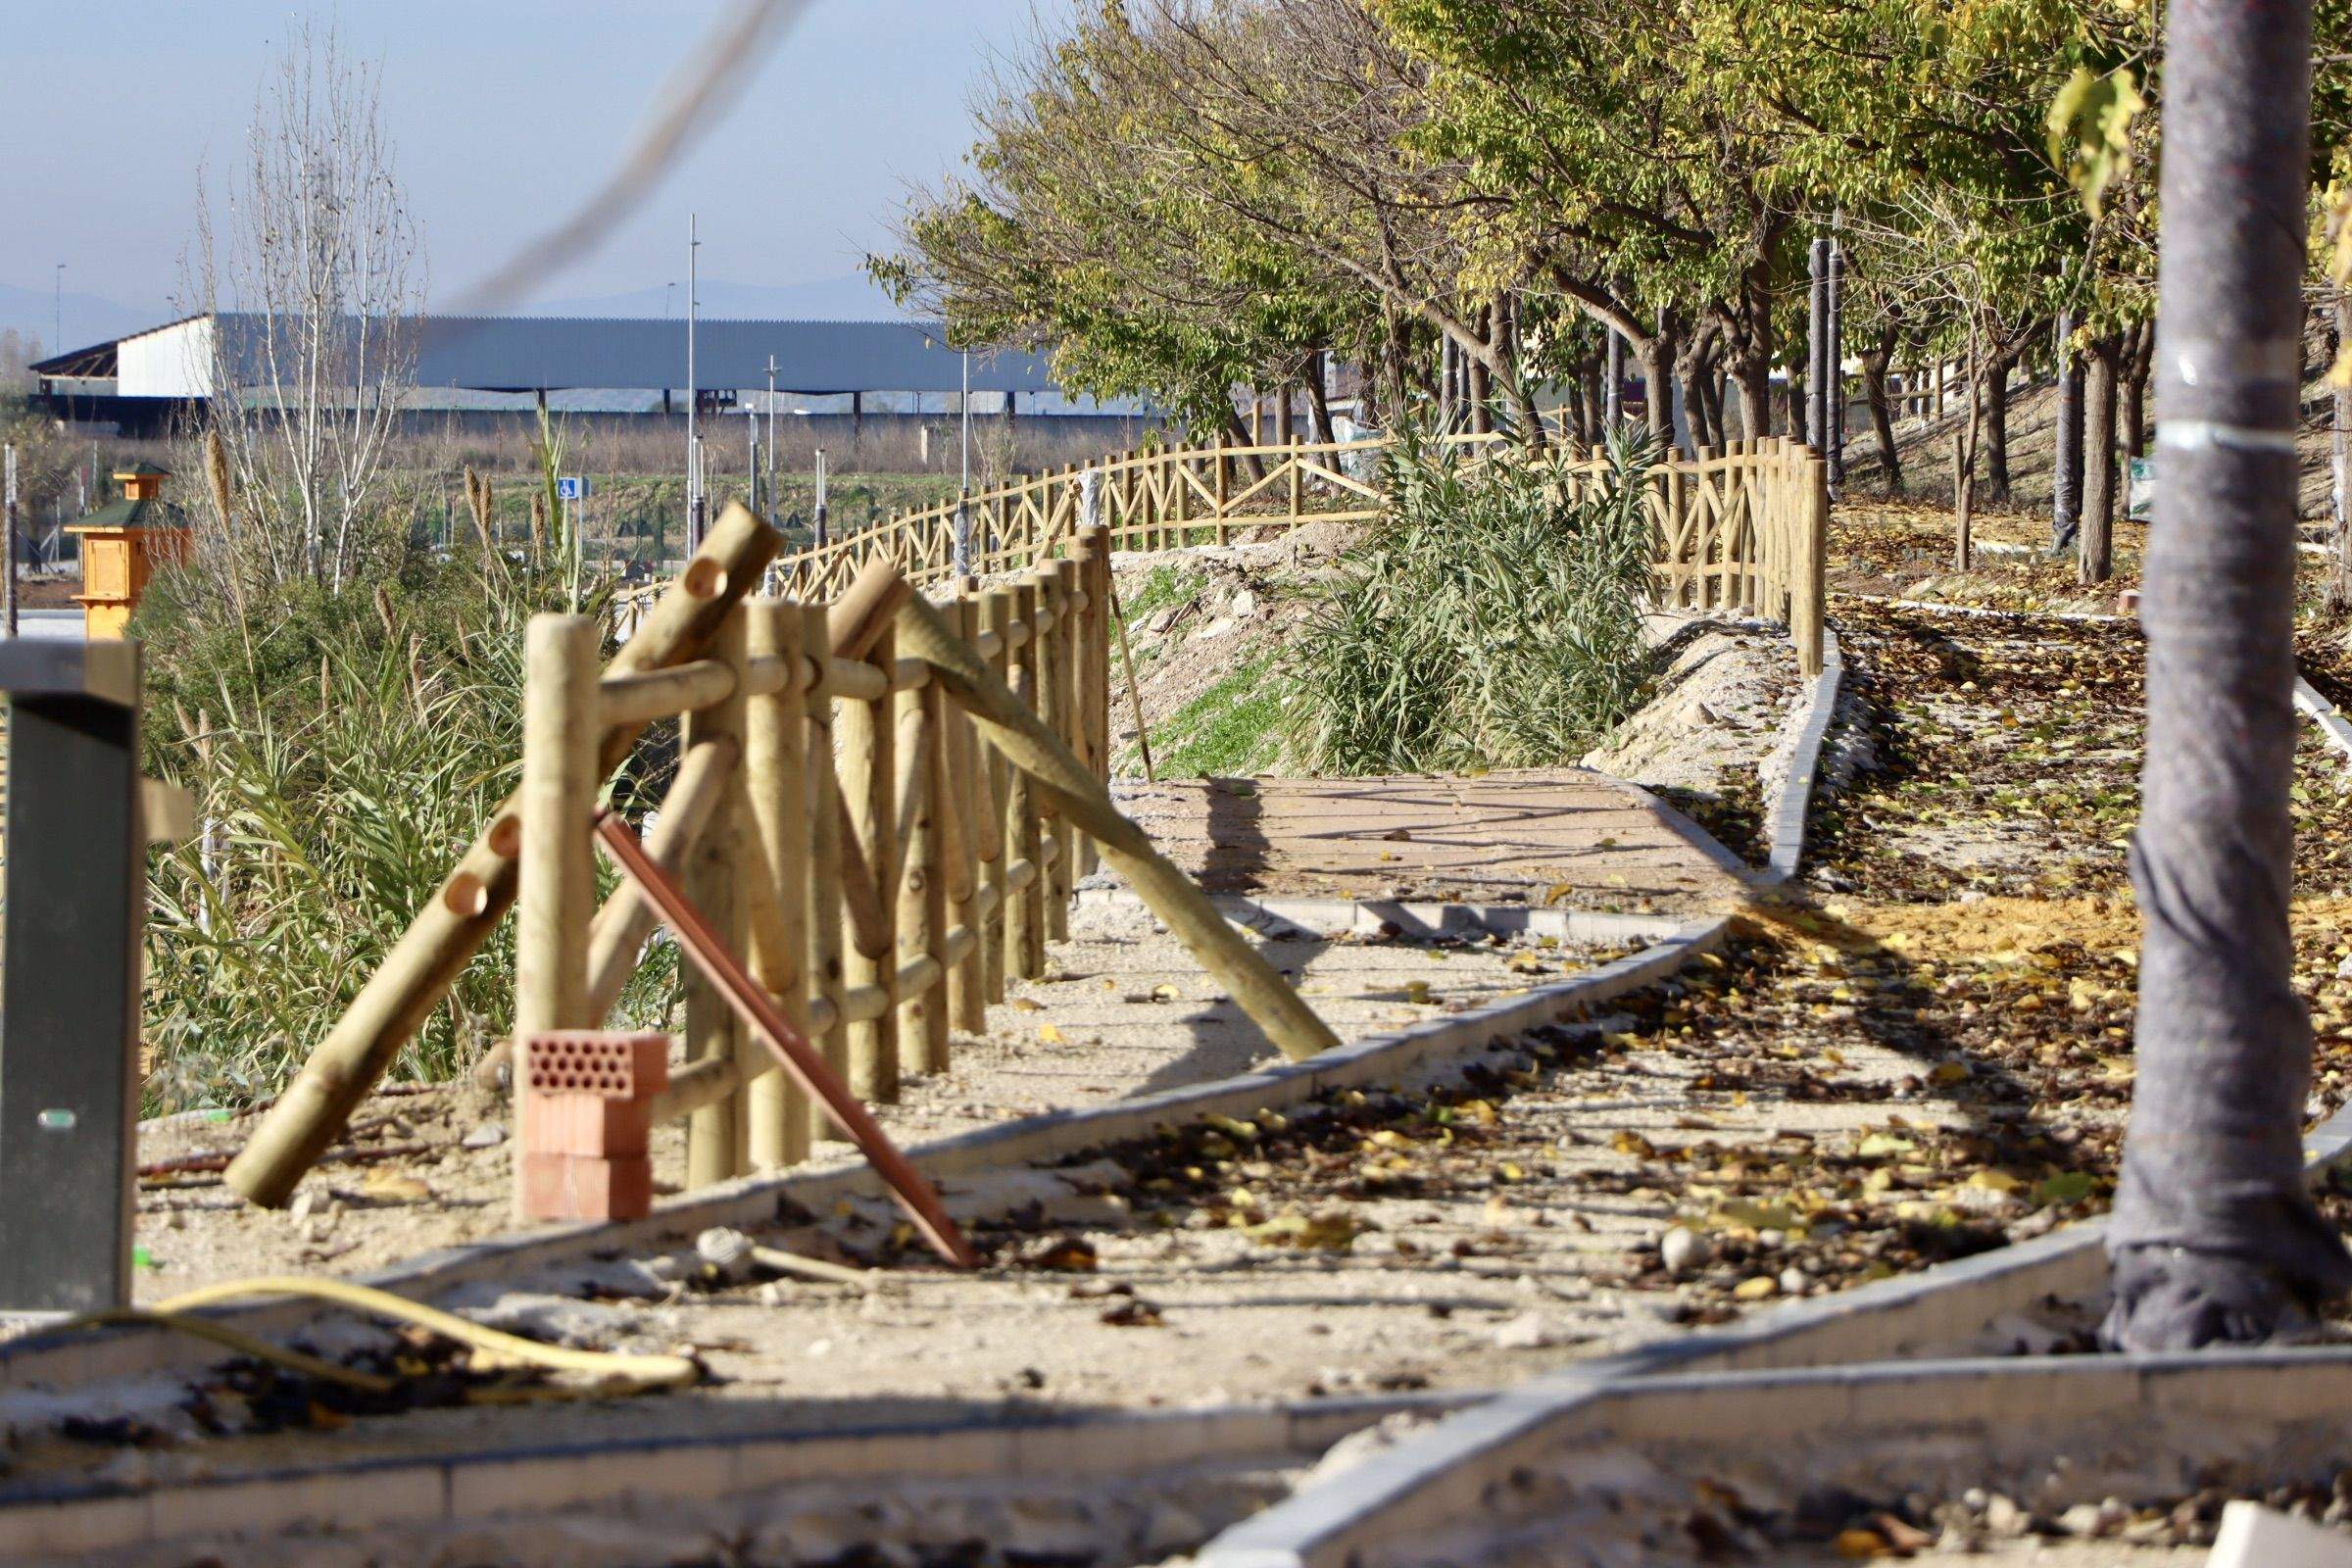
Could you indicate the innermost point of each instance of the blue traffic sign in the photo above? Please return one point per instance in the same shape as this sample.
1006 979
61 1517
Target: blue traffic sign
571 487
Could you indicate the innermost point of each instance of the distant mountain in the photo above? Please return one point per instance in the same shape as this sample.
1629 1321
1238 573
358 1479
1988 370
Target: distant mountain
89 318
850 298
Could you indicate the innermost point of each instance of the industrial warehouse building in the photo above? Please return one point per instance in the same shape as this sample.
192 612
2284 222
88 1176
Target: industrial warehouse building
494 365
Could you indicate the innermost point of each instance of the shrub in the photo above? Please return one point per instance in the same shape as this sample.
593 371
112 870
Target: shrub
344 749
1492 619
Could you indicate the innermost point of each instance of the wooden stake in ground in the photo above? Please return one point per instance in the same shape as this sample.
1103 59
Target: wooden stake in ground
1032 748
717 1136
419 970
775 764
867 765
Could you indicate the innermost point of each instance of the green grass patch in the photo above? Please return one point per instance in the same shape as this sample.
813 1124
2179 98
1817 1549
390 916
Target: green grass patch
1232 729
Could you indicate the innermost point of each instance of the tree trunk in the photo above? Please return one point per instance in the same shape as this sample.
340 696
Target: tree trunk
1658 382
2214 1235
2097 564
1996 430
1754 374
2339 468
2066 461
1799 393
1319 397
2136 362
1875 361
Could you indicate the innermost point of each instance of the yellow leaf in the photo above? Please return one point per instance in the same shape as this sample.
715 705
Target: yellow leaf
1860 1544
1416 990
1629 1141
1050 1035
1950 1072
1756 1288
394 1188
1994 1181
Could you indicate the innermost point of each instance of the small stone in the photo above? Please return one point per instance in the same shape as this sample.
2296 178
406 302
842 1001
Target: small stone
775 1293
1771 1240
2003 1517
1681 1250
1244 606
300 1209
1794 1281
2095 1518
1756 1288
489 1135
728 1250
1529 1330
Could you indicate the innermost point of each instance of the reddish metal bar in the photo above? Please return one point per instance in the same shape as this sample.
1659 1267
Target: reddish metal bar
793 1053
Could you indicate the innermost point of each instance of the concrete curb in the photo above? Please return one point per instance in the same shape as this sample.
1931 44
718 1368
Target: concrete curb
1450 1467
478 1483
2322 713
1787 833
2021 1395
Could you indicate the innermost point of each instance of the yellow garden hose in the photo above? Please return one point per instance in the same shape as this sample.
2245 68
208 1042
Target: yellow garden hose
635 1373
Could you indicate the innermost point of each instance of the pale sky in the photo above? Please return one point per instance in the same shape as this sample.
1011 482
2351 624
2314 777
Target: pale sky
504 113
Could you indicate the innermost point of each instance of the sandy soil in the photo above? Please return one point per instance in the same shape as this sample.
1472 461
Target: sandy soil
1123 1010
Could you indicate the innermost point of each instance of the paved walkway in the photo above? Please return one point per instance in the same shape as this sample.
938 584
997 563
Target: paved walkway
1565 837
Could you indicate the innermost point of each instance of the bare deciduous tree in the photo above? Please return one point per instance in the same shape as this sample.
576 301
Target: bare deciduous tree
312 282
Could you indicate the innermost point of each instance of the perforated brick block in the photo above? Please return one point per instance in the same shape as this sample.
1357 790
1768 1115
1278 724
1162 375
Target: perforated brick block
596 1062
590 1094
581 1187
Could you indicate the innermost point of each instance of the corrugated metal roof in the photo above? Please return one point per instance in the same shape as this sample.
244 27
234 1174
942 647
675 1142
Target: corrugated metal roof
521 353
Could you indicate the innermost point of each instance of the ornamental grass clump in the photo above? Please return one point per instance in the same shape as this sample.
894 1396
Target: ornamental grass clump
344 749
1492 619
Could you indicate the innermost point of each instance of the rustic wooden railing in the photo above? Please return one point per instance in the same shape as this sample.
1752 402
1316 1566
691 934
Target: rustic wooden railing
879 811
1744 530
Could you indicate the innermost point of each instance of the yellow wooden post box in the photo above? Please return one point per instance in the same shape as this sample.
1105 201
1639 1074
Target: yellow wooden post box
122 544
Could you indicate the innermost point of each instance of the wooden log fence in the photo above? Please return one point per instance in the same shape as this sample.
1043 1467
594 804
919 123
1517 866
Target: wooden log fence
1743 528
878 814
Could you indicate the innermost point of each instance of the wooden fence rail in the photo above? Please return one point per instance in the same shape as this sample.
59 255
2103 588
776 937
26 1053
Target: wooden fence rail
878 813
1743 530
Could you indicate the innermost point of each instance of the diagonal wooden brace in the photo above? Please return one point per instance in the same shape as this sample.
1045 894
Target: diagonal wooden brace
793 1053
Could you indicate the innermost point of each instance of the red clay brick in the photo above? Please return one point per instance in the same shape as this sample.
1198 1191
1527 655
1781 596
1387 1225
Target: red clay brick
577 1187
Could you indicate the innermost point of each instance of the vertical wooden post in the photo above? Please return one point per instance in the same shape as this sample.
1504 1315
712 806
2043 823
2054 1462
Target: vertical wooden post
712 1031
867 778
965 812
1054 707
823 882
776 757
1025 916
1291 439
1091 684
1219 489
922 883
999 845
556 895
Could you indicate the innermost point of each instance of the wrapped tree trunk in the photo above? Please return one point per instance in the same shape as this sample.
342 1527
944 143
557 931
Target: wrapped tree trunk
2138 354
2339 469
2066 464
2098 464
2213 1236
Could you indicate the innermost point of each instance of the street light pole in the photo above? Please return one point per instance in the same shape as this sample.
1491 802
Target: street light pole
57 320
771 434
694 446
